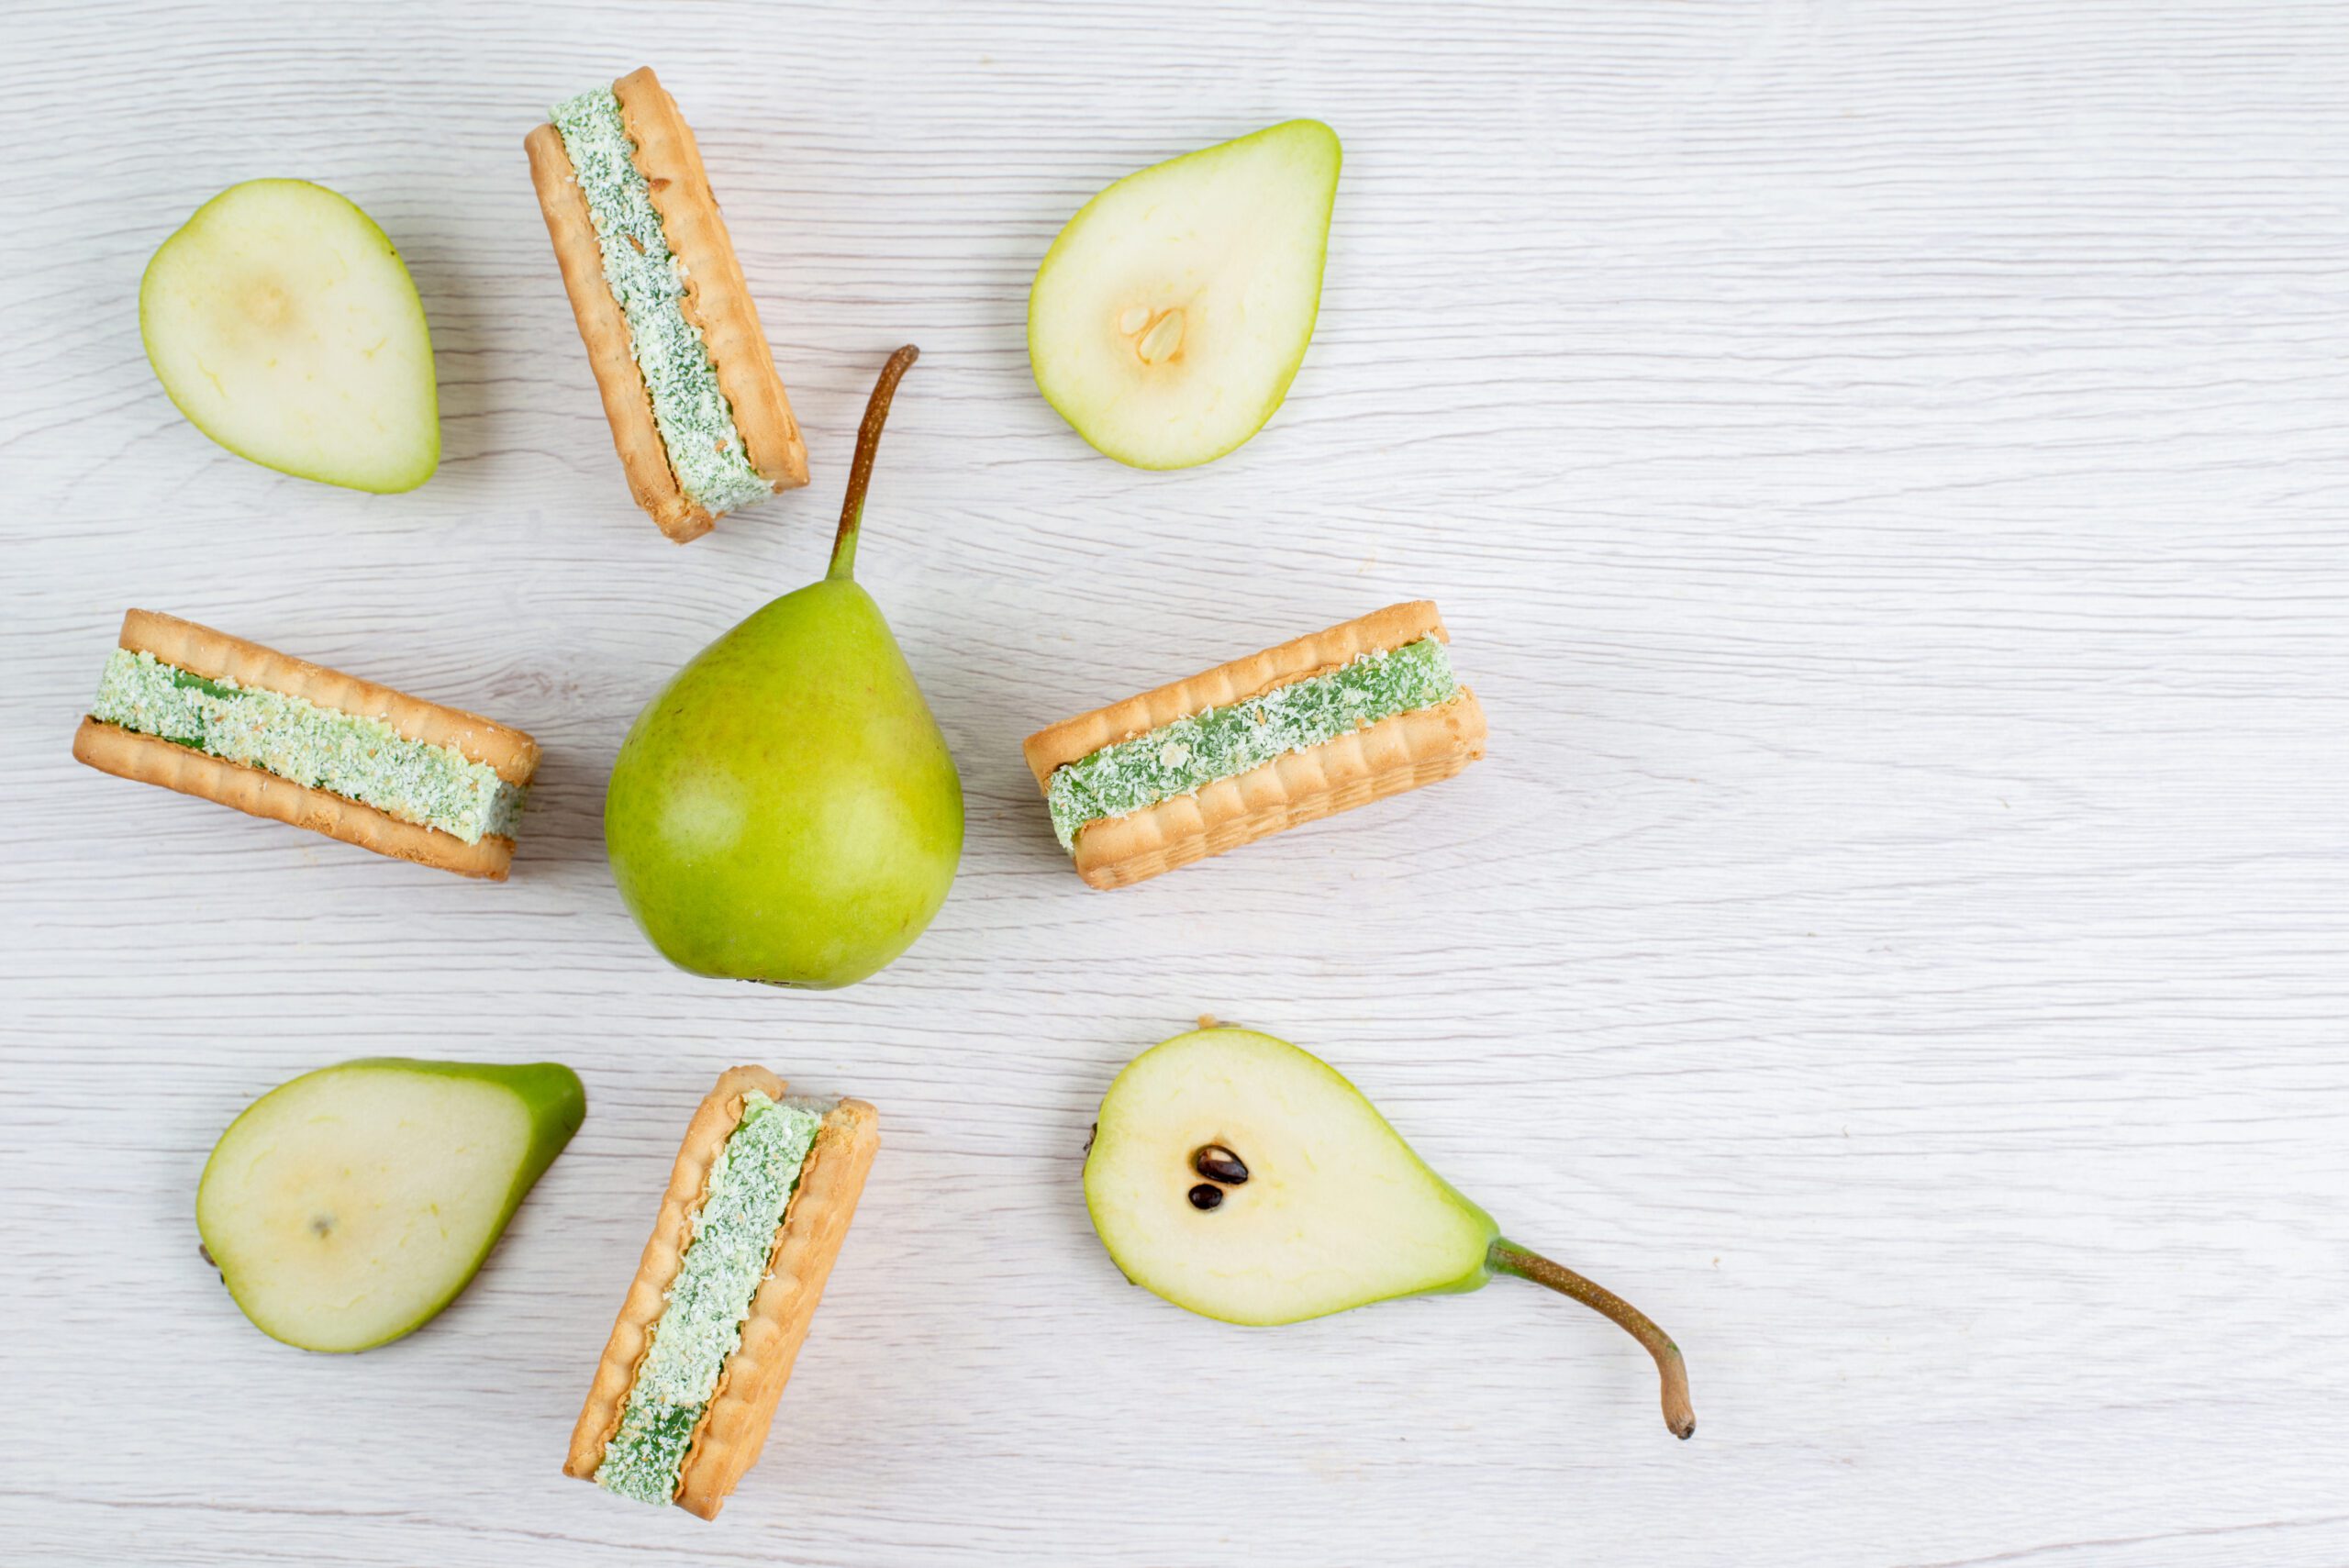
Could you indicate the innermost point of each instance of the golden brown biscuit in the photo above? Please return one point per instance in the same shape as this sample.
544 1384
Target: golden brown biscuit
148 760
628 407
714 1121
1401 753
716 301
734 1425
1404 753
216 655
734 1428
1299 658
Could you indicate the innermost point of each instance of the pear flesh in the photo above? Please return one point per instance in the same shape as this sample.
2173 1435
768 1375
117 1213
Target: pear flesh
1336 1210
786 810
1330 1208
282 323
1168 319
347 1207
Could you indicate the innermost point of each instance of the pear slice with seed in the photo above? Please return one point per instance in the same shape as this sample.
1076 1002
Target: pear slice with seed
1313 1204
1169 318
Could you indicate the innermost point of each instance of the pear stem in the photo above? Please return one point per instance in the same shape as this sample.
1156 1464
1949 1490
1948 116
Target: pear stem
1507 1257
860 473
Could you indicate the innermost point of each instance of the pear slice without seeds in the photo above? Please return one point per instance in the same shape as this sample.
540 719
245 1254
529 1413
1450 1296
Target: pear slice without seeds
349 1206
1169 318
1244 1179
283 324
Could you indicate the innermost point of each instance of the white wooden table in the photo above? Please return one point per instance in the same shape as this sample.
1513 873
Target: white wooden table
1887 470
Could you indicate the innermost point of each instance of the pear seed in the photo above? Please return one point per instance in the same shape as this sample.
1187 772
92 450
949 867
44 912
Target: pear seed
1136 317
1217 1164
1161 341
1204 1196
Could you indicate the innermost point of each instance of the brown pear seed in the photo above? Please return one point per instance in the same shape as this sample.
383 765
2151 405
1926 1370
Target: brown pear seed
1217 1164
1204 1196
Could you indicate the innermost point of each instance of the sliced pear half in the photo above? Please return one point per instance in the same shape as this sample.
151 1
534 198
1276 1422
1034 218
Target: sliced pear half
283 324
1244 1179
1335 1211
347 1207
1169 318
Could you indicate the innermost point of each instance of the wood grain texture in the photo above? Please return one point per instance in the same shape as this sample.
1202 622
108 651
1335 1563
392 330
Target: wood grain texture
1884 468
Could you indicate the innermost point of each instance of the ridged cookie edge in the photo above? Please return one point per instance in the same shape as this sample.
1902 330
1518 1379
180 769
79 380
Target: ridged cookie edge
148 759
1407 751
1237 680
718 297
734 1428
217 655
713 1123
611 354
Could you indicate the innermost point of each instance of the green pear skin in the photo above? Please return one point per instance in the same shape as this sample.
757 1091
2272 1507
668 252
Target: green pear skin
1246 1180
361 1155
785 810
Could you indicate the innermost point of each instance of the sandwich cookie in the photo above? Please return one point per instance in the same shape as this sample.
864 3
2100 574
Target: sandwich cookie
1322 723
206 714
689 384
757 1204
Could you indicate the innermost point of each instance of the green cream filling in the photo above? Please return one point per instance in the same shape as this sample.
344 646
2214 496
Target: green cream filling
1224 743
751 1184
357 758
695 421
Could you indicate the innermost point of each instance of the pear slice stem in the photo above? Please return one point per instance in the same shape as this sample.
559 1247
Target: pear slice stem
860 473
1507 1257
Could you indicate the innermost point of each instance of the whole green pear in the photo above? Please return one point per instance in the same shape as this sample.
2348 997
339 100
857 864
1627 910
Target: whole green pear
786 809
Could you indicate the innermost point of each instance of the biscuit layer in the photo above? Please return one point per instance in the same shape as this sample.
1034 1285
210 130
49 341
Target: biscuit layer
717 299
716 309
1296 660
734 1425
200 651
628 407
734 1428
713 1123
1405 753
148 760
216 655
1402 753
